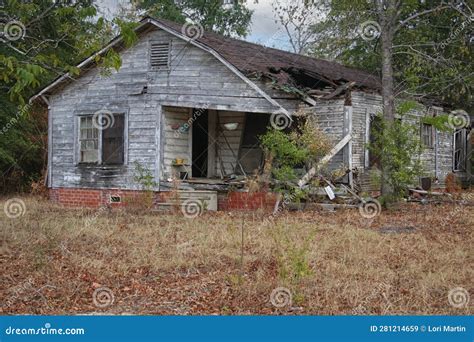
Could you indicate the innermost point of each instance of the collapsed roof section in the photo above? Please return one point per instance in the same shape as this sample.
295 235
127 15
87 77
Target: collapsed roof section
286 69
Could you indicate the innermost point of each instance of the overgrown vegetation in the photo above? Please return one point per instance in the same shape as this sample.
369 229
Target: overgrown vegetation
432 52
398 148
293 260
165 264
144 177
233 19
292 153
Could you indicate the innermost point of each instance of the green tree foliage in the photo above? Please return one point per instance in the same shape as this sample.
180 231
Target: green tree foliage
432 54
211 14
45 39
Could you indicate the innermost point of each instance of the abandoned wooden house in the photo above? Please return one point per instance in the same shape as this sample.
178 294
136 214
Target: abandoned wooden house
192 108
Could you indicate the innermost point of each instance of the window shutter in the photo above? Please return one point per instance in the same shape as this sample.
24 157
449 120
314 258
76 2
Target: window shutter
159 55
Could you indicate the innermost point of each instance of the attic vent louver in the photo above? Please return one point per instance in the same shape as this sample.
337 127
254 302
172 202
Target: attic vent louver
159 55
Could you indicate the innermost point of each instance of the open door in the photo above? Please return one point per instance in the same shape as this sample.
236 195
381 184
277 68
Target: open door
200 144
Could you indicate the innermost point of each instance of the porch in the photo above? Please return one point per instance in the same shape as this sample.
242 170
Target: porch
208 149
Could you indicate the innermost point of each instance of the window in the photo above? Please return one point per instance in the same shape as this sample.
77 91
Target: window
427 135
159 55
89 141
102 144
112 142
460 144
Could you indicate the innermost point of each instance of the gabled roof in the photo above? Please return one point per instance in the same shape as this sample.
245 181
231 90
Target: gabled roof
253 60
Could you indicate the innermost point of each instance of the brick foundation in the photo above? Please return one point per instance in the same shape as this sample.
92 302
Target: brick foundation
96 198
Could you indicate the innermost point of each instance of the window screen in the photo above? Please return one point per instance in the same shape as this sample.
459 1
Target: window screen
111 150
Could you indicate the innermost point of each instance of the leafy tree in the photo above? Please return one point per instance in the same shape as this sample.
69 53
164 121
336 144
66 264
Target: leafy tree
420 48
211 14
298 17
432 52
42 40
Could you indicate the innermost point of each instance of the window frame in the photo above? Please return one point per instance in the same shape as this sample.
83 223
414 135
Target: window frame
94 138
462 165
77 140
431 135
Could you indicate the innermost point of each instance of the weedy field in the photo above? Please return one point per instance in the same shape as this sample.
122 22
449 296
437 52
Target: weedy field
415 259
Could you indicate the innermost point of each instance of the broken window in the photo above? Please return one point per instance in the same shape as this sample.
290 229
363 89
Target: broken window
427 135
460 144
102 145
112 142
89 141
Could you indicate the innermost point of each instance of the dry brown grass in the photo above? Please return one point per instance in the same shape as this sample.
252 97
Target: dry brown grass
155 263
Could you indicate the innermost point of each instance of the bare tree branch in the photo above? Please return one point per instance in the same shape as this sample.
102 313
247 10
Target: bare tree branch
419 14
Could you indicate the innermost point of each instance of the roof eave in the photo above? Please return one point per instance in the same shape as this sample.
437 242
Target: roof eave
90 60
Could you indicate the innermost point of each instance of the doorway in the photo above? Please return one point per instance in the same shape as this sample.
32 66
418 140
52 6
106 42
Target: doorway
200 143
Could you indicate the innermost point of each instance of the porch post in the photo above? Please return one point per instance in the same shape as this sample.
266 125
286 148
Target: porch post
211 154
347 157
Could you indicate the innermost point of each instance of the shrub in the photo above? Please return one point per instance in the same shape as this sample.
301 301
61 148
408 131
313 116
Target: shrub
298 149
398 147
145 179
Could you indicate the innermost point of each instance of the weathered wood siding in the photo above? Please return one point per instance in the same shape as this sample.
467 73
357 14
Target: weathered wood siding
329 115
365 104
198 79
153 99
93 92
176 142
195 79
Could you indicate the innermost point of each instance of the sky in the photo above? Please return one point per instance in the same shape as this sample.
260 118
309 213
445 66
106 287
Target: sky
263 29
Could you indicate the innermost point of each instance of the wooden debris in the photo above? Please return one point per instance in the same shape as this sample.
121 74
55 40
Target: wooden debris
312 172
423 192
339 90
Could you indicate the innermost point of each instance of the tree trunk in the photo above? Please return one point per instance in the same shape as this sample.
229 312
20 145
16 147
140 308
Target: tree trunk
386 37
